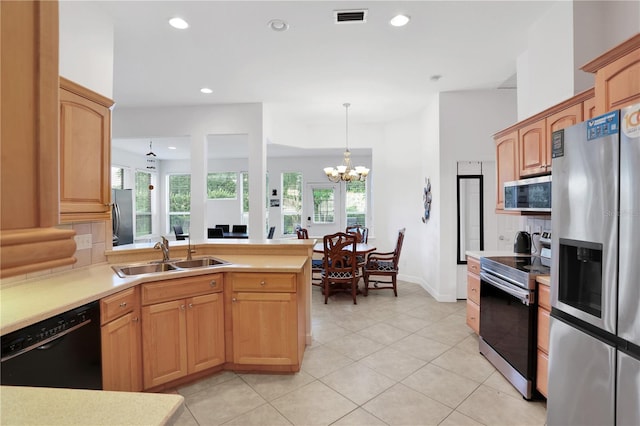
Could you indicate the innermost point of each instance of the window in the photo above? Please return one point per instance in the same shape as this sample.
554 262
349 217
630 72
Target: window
323 202
179 201
117 178
244 179
356 203
291 201
222 186
144 222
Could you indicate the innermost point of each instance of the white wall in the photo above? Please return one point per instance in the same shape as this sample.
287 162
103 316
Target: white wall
86 46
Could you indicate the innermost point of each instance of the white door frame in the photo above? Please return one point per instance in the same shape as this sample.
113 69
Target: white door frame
318 229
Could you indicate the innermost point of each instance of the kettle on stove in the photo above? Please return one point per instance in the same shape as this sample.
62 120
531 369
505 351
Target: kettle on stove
522 242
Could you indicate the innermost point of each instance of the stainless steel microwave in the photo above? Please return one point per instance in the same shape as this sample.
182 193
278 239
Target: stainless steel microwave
532 194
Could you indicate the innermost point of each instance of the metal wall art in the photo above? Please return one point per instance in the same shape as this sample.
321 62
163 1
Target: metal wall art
426 198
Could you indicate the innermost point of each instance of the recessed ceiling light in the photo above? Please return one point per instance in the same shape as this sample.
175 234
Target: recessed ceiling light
172 147
435 77
278 25
399 20
206 90
178 23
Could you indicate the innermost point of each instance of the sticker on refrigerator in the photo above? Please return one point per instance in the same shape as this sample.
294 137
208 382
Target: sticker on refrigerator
557 144
631 122
603 125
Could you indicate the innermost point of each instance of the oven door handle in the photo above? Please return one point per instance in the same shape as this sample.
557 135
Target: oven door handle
523 295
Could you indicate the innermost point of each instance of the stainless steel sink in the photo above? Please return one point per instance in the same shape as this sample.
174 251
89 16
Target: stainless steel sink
124 271
199 263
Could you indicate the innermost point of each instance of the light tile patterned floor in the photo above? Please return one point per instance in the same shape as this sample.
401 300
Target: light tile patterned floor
386 361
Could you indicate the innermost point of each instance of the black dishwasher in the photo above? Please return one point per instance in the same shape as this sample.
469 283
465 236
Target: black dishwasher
60 352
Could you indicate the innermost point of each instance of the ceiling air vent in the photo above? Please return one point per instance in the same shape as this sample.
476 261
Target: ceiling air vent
350 16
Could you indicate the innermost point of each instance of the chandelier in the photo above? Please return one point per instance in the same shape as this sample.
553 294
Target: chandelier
346 172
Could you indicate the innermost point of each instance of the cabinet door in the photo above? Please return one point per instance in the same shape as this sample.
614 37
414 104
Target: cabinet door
532 143
473 316
506 163
85 154
164 342
589 109
618 83
265 328
121 354
557 121
205 332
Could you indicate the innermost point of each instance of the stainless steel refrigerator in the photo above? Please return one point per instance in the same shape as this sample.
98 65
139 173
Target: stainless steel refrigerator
122 216
594 349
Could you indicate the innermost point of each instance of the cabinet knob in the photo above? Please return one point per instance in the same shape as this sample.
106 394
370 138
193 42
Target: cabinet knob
473 289
135 319
123 305
182 307
190 305
213 283
262 283
234 299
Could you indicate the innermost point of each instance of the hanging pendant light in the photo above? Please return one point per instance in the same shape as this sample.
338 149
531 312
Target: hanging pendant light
346 172
151 157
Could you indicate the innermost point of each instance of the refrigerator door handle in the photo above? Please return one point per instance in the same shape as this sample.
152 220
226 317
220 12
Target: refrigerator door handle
116 219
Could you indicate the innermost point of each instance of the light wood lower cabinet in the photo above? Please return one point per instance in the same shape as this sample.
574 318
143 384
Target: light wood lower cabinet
473 294
185 335
544 310
121 342
265 320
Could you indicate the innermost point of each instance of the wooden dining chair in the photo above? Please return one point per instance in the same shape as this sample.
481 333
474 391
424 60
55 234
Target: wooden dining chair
272 231
361 233
316 264
381 269
340 267
225 228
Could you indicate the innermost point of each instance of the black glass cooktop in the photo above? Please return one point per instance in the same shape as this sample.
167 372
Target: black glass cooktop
528 264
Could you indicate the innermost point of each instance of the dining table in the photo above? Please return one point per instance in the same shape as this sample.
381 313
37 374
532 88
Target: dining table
361 248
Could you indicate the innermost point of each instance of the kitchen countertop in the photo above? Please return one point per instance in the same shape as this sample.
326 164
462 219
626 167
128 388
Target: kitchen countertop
30 301
23 405
544 279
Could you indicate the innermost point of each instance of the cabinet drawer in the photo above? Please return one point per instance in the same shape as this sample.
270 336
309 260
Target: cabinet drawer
162 291
543 330
473 316
473 265
264 282
544 297
118 304
542 373
473 288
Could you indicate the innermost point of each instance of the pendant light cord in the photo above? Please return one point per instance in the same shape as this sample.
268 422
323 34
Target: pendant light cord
346 107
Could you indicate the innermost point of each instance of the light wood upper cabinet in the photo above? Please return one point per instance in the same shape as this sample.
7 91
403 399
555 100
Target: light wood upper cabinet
85 153
506 163
121 341
532 146
560 120
29 140
617 76
589 108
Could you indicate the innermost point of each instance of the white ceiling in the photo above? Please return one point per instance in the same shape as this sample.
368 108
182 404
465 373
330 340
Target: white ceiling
309 71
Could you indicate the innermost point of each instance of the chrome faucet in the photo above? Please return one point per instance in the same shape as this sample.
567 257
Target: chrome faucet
164 246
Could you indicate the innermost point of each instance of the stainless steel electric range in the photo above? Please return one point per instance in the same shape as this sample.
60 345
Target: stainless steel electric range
508 313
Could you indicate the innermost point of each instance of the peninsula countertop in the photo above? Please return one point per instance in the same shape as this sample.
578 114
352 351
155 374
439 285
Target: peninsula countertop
33 300
23 405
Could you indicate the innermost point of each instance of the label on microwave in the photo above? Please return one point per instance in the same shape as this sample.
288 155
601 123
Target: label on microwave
557 144
603 125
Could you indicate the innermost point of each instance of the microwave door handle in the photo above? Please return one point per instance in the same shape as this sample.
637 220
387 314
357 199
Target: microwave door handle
520 294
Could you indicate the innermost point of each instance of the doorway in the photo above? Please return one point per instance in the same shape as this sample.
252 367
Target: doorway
322 211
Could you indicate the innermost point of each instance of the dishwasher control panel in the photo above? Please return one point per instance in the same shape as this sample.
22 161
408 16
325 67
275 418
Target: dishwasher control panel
42 332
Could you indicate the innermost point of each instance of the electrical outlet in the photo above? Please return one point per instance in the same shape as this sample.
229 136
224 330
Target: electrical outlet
83 241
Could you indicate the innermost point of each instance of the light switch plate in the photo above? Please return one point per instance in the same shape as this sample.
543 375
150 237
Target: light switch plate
83 241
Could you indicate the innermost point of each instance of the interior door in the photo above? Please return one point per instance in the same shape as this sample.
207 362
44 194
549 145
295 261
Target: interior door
323 212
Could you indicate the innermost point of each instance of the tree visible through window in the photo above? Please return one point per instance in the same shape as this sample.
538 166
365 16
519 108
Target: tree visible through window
323 205
117 177
356 203
291 201
179 201
222 186
144 225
